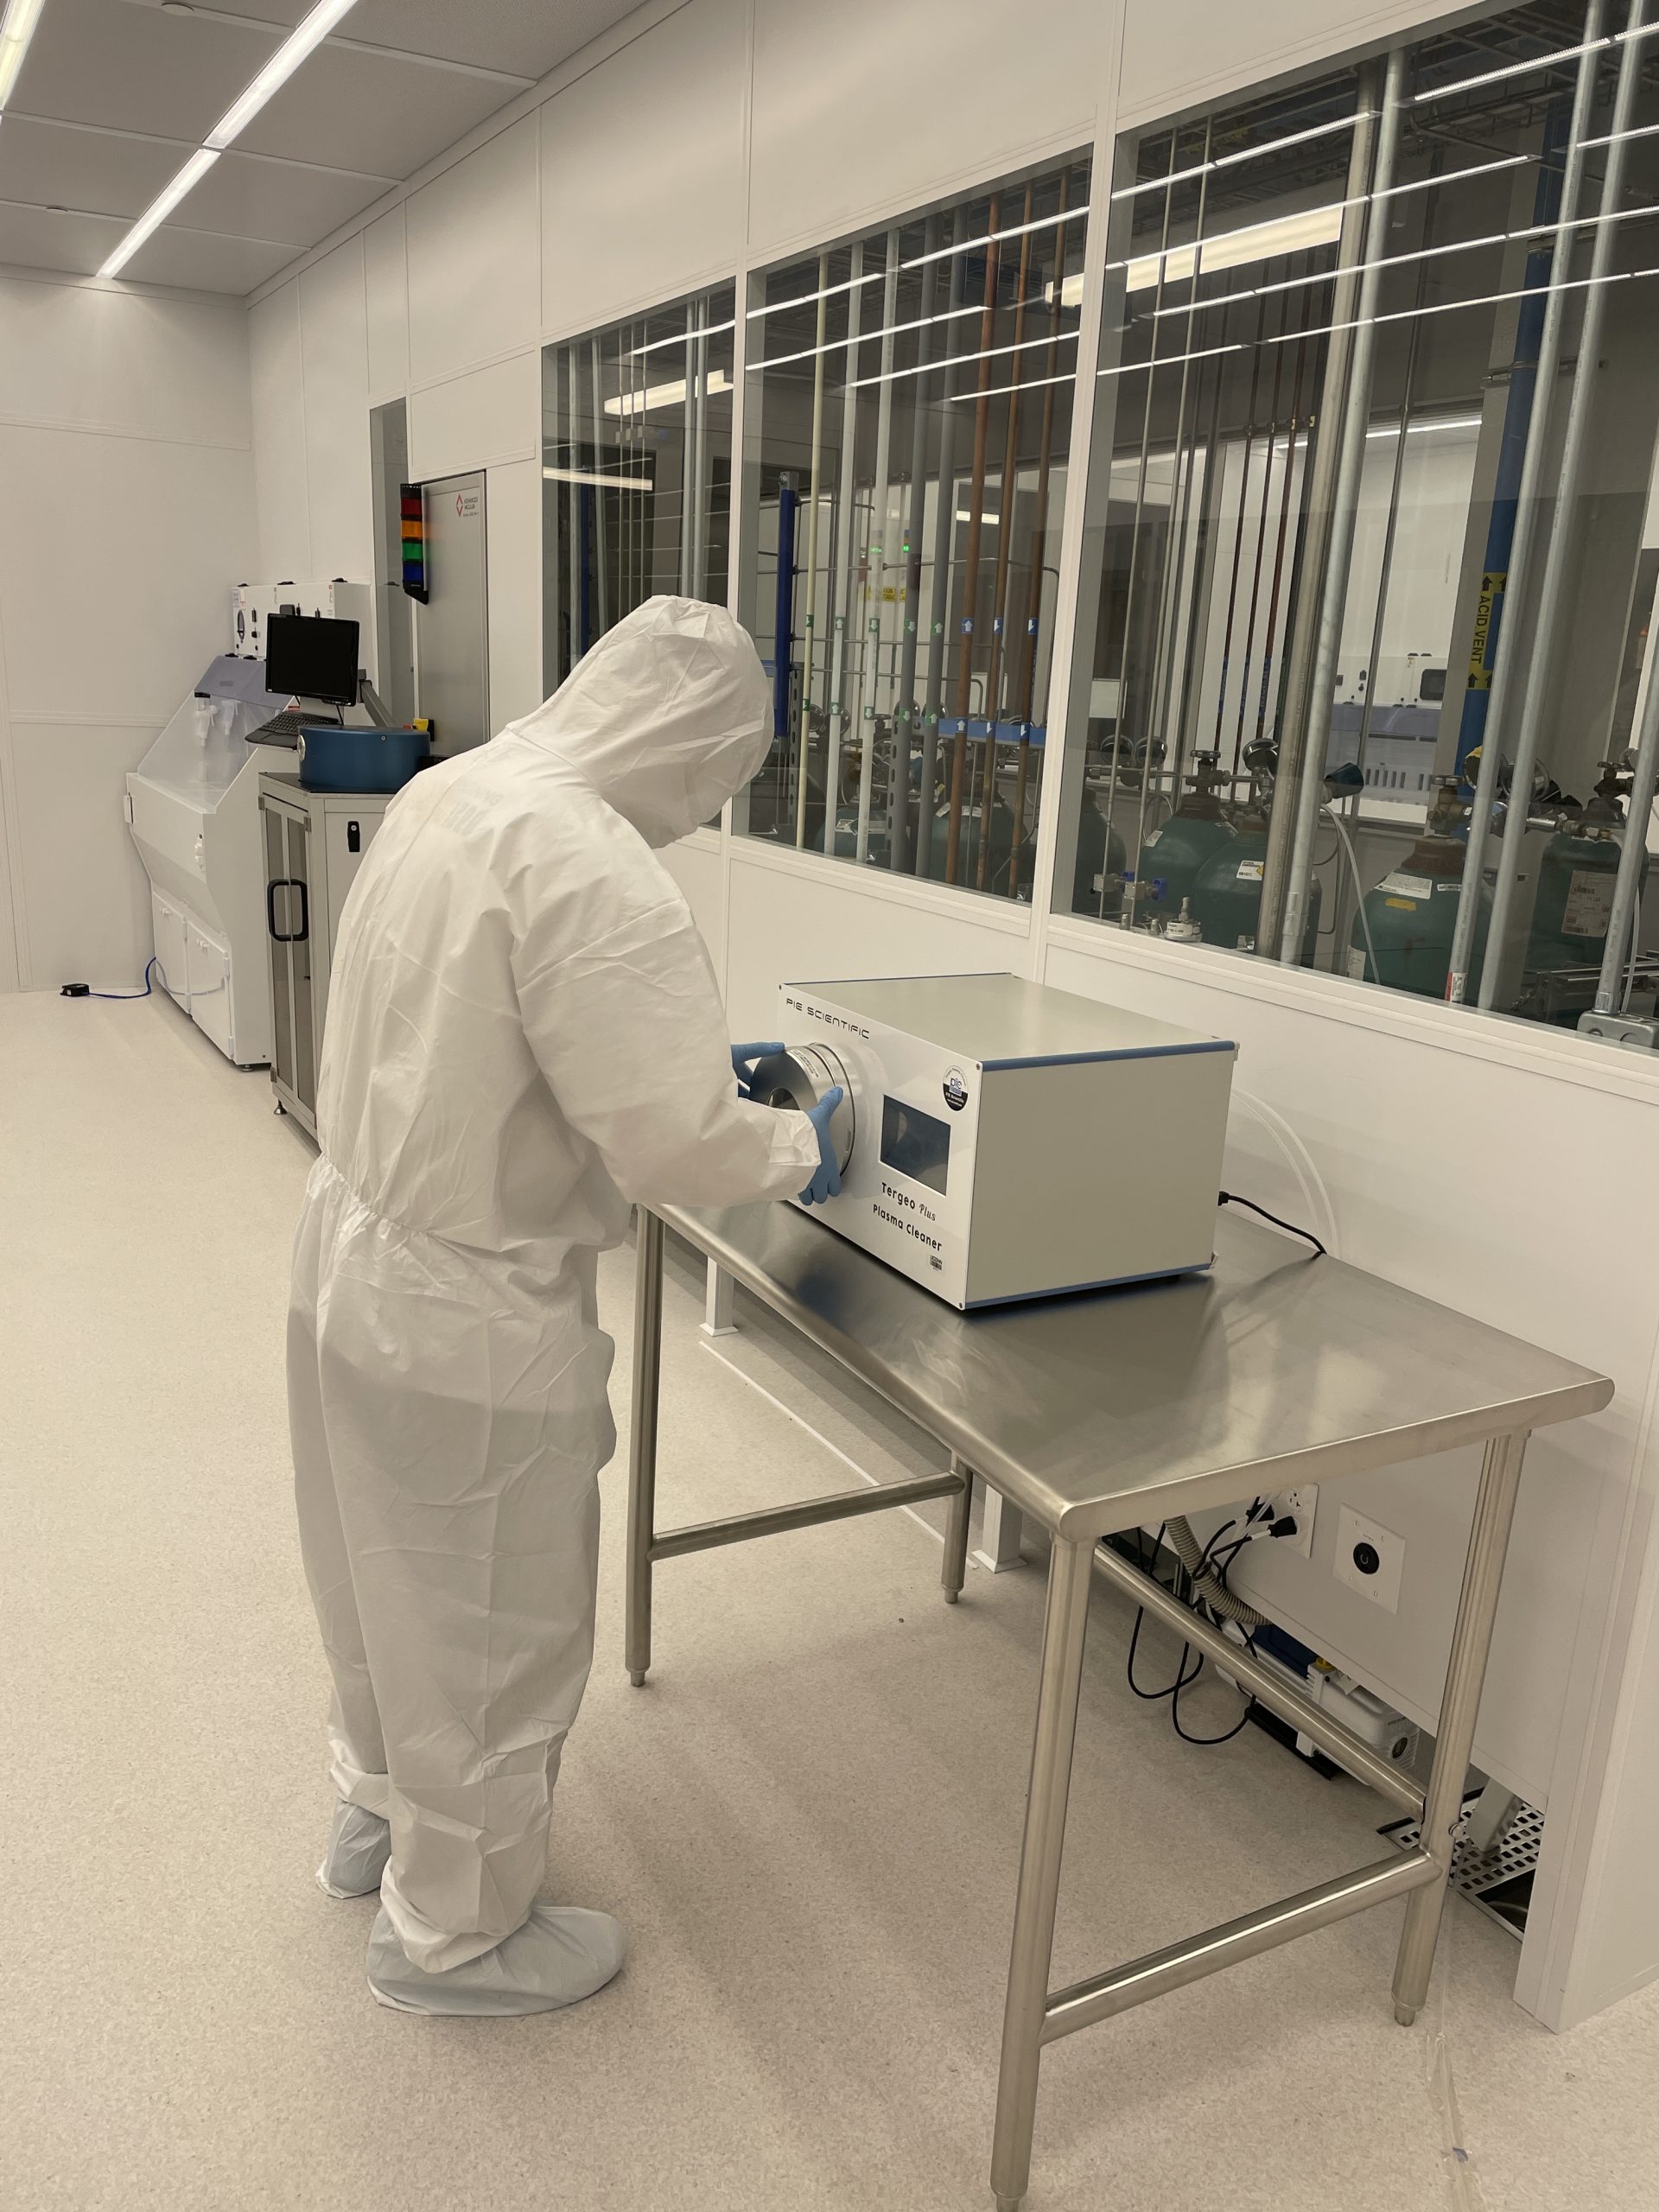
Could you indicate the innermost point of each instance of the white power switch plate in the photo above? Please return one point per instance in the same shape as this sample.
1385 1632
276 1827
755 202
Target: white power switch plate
1300 1502
1370 1559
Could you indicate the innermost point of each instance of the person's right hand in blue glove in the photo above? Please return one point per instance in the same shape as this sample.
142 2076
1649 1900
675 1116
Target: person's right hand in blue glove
827 1182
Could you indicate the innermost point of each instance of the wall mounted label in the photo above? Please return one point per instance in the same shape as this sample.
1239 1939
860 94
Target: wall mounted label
1491 590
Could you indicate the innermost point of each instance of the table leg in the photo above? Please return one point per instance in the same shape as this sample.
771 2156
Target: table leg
999 1533
1070 1576
720 1304
642 1439
1482 1577
955 1571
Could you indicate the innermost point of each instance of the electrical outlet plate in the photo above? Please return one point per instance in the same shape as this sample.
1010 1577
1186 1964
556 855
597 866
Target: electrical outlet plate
1300 1502
1354 1534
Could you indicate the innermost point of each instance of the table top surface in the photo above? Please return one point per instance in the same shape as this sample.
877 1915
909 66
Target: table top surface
1101 1410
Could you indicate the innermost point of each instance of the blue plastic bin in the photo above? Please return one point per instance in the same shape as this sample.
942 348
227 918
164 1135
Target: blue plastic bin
335 759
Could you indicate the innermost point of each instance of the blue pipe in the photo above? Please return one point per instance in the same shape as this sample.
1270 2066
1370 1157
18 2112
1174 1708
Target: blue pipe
783 639
1512 454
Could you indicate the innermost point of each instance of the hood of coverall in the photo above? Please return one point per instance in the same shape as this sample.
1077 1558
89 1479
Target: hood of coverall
667 717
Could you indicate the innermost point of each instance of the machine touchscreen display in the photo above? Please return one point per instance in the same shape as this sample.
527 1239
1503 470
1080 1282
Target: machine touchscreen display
915 1144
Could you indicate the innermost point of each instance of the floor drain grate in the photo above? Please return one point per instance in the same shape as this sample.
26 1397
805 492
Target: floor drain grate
1498 1879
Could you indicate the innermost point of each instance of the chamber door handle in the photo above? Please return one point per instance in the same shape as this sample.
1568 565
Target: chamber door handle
287 883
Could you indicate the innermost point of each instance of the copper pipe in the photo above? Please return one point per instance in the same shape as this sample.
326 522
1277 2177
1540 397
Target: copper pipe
1038 539
1008 494
970 558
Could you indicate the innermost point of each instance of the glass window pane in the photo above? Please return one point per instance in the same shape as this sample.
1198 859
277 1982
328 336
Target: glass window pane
636 469
909 414
1370 547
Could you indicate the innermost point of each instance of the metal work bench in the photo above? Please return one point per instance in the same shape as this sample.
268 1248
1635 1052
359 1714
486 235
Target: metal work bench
1102 1411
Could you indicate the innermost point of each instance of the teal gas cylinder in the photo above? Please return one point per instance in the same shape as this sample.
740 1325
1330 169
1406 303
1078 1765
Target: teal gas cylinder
1411 916
1173 855
1102 859
1226 892
1574 905
1002 847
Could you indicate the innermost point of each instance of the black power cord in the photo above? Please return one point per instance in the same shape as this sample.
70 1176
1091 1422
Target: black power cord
86 990
1185 1585
1232 1198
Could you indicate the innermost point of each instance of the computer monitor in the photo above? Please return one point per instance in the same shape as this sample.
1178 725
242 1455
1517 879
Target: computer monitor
311 657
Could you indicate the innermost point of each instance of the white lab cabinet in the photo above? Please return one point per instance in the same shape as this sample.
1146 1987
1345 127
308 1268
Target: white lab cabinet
193 806
313 844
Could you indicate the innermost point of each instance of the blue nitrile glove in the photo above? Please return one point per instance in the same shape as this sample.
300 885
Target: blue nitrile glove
825 1183
743 1060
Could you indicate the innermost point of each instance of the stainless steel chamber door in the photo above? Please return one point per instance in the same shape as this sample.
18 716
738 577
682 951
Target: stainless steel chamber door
288 917
452 640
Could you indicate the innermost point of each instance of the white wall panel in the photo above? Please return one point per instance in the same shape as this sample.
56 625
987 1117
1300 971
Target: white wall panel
85 895
334 349
896 101
475 258
385 269
642 169
158 622
1178 51
513 521
478 421
1448 1217
124 361
277 377
799 922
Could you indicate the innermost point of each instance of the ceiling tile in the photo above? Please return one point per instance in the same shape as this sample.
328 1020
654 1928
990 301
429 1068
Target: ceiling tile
95 171
523 38
137 68
363 112
282 200
35 237
207 262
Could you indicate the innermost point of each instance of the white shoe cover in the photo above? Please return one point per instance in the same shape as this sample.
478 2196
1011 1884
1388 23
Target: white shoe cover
560 1955
359 1845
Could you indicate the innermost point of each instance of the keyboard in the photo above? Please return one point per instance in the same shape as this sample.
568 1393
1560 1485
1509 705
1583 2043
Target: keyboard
282 729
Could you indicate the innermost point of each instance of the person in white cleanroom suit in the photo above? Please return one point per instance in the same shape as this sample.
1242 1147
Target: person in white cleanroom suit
524 1034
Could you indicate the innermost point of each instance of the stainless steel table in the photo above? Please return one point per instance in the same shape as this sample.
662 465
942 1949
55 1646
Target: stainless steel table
1103 1412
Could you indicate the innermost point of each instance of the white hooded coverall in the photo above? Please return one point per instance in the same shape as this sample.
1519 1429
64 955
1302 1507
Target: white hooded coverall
524 1034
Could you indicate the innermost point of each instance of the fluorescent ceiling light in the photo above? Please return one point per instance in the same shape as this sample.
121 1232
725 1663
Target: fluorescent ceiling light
828 292
159 208
1172 360
588 476
1230 161
681 338
1015 231
886 330
277 72
999 390
17 28
1614 138
646 397
1514 69
1417 430
1314 226
955 361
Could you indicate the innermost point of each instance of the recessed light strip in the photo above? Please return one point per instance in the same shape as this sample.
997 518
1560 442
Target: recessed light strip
17 28
236 118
